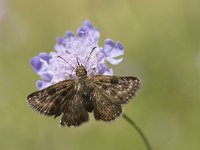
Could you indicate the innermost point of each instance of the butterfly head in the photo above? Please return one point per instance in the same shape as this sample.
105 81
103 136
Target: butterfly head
81 71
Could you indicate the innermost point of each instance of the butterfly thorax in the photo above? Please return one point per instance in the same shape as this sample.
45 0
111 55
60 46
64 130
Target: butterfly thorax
84 88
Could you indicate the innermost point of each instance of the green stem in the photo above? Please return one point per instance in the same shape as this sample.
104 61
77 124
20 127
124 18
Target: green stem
129 120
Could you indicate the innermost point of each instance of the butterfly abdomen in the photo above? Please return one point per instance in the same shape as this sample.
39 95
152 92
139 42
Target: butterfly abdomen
85 90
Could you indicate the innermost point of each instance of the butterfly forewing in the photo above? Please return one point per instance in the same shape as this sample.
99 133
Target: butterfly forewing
119 90
50 101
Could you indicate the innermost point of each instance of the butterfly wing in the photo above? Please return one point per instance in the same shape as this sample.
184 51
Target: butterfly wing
74 112
50 101
104 109
110 92
61 98
119 89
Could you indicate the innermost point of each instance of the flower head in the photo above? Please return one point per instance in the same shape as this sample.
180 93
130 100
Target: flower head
70 50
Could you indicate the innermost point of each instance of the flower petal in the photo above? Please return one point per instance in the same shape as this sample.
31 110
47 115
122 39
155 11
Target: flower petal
104 70
47 77
87 24
114 61
46 57
101 56
70 34
42 85
108 72
36 63
81 32
108 46
87 31
94 35
117 51
112 50
60 45
39 84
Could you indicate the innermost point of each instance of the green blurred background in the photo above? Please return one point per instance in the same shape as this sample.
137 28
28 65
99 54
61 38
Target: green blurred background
162 47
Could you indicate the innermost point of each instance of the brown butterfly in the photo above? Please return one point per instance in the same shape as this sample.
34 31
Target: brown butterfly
73 99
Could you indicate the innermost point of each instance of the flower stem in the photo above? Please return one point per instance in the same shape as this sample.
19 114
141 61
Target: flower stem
129 120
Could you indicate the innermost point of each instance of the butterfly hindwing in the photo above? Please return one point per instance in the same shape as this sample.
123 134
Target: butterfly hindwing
104 108
74 112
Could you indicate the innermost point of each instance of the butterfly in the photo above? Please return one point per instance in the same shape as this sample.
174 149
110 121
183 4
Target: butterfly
75 99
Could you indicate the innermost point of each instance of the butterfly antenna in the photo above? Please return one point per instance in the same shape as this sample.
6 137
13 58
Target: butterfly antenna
66 61
78 59
90 54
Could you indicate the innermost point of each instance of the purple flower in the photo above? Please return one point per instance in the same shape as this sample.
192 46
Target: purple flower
60 64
